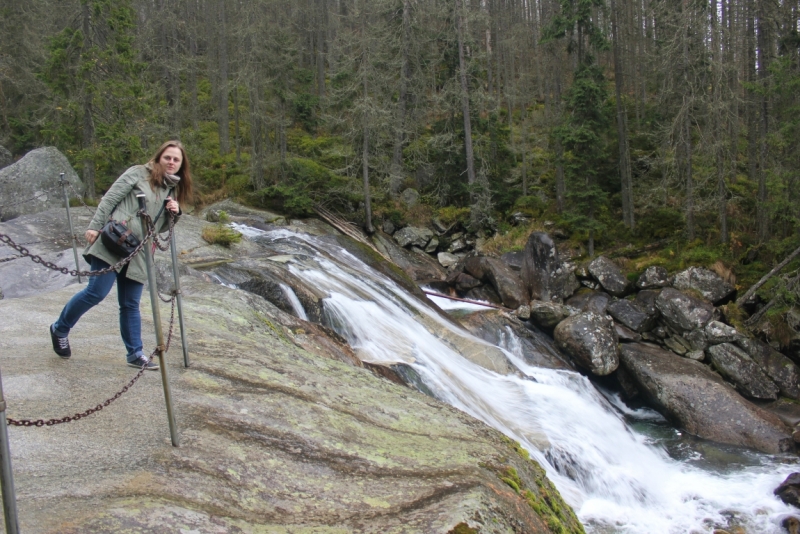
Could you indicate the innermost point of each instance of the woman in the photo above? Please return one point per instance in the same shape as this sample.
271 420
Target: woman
165 181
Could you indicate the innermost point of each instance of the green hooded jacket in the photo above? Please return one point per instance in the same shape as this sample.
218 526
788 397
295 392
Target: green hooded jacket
122 194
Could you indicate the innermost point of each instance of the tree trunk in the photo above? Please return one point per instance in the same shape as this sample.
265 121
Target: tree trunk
223 119
88 131
763 54
462 68
396 177
622 126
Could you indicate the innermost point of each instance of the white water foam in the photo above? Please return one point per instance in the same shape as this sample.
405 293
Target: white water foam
615 479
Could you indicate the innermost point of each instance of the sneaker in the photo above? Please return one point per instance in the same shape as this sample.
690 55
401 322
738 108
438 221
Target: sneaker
142 362
60 344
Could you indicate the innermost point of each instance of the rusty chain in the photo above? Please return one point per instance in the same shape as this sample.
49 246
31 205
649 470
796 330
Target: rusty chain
105 403
157 238
75 272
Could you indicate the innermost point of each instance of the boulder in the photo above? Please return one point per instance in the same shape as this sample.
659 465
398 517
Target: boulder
485 293
654 276
564 281
646 300
677 344
419 267
789 490
432 245
388 227
698 340
591 341
590 301
540 260
631 315
610 277
413 236
775 365
736 366
409 197
548 314
457 245
625 334
465 282
505 282
513 260
697 400
6 158
707 283
31 184
718 332
446 259
683 312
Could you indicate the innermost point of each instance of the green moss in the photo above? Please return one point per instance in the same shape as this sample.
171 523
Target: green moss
219 234
463 528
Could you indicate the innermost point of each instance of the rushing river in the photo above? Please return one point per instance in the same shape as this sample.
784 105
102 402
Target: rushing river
622 470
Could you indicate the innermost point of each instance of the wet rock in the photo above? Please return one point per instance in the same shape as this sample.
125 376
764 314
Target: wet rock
409 197
591 341
775 365
523 312
610 277
540 260
791 524
499 328
446 259
697 400
626 335
31 185
707 283
548 314
513 260
718 332
653 277
736 366
413 236
505 282
590 301
789 490
683 312
631 315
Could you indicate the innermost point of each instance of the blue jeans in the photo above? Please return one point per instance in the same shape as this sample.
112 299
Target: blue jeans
129 293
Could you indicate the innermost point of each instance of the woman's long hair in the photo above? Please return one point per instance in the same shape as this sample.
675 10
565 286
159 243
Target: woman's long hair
184 189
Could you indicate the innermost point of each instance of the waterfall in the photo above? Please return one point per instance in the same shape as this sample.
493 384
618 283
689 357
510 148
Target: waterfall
616 478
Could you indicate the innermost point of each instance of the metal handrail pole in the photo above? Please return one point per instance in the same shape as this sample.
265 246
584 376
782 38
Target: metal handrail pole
173 247
6 474
69 218
160 347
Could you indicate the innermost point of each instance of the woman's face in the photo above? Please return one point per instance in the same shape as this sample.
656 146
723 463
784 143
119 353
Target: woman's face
171 159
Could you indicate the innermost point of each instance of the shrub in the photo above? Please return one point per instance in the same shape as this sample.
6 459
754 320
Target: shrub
219 234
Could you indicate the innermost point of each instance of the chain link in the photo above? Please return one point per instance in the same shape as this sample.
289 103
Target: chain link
157 238
74 272
105 403
80 198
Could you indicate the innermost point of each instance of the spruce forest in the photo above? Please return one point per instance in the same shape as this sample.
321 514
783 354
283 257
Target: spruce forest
619 122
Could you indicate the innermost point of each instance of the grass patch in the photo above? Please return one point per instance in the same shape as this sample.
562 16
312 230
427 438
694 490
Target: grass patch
219 234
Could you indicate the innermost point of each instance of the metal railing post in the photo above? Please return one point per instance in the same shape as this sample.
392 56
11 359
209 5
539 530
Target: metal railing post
174 251
6 475
69 218
160 346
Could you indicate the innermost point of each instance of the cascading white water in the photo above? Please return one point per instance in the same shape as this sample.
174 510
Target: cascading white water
294 301
615 478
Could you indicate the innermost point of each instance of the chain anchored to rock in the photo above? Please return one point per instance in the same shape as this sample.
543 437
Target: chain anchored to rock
24 252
